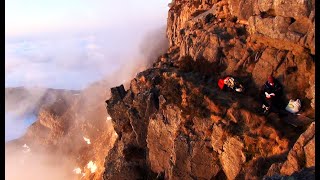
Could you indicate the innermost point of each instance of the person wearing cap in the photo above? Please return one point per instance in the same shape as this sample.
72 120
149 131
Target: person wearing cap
270 94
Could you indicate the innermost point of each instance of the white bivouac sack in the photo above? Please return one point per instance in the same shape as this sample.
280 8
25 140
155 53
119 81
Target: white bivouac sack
294 106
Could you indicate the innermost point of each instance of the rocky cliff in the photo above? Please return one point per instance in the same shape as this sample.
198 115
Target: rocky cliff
173 122
69 140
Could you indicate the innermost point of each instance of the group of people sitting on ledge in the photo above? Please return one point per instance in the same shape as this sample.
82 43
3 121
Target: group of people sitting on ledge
270 93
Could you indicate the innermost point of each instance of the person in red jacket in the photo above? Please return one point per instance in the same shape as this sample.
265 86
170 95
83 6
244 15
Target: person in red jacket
231 83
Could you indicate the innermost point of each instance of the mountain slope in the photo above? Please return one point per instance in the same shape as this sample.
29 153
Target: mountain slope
174 123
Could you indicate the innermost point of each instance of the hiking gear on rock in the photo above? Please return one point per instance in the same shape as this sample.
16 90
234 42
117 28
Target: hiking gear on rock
231 83
239 89
294 106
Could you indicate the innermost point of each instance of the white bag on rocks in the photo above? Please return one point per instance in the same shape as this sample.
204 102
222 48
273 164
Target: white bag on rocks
294 106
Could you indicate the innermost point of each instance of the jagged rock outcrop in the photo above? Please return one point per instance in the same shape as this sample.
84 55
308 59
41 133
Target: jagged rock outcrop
260 38
174 123
57 139
300 161
177 126
302 154
232 157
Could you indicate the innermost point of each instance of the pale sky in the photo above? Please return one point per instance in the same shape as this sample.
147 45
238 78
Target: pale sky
68 44
80 40
35 16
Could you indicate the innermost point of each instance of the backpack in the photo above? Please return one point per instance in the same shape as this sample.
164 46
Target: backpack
221 83
294 106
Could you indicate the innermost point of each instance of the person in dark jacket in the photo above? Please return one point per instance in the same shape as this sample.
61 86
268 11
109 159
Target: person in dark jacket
270 94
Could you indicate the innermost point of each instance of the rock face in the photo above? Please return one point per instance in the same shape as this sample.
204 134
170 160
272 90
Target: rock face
300 161
232 158
302 154
56 139
174 123
257 37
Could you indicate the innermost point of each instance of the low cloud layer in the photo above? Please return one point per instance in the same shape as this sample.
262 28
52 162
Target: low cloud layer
61 63
27 162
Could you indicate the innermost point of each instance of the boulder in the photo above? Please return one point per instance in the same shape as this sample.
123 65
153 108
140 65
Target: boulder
232 158
302 154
